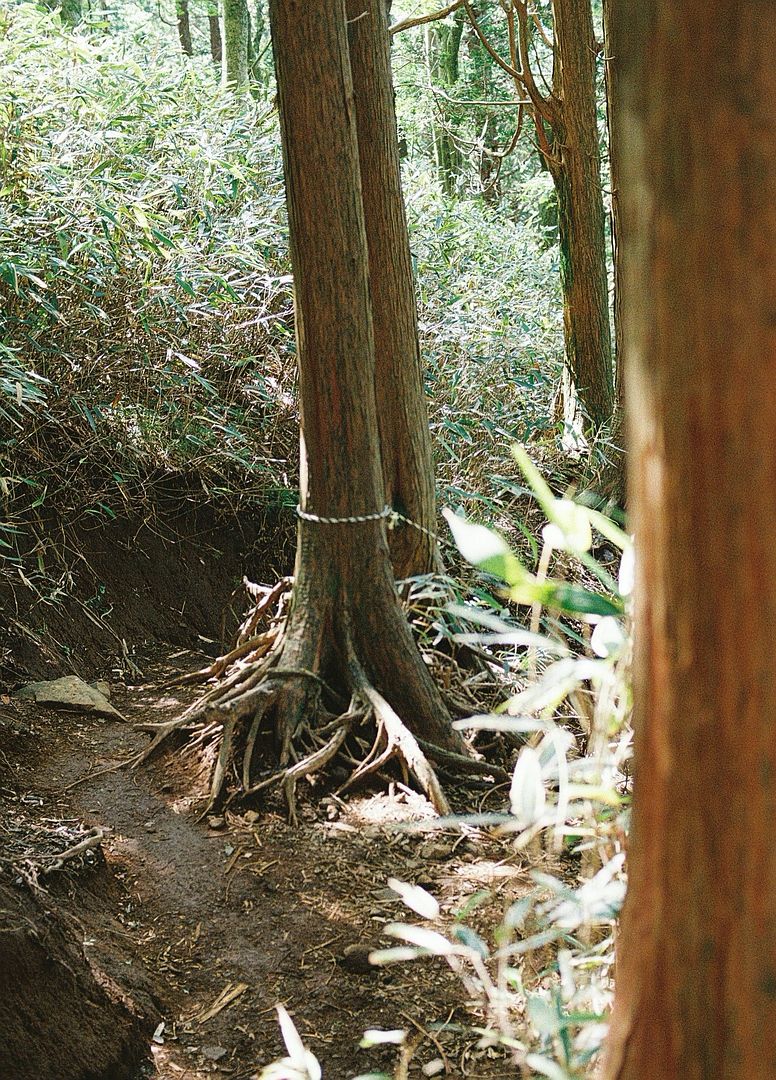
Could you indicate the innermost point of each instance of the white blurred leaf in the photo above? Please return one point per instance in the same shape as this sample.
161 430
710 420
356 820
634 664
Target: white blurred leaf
608 638
476 543
429 940
421 902
627 571
527 797
376 1037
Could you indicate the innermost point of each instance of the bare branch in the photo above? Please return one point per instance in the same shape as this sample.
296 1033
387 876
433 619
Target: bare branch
420 20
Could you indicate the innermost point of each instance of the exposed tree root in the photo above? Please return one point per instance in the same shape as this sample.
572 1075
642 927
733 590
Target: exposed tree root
272 681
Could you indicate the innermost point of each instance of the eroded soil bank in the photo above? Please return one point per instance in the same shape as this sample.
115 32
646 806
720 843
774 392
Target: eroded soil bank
193 931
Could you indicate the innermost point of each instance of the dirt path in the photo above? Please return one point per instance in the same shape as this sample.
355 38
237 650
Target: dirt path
208 928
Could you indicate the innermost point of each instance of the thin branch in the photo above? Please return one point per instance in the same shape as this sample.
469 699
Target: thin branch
420 20
489 48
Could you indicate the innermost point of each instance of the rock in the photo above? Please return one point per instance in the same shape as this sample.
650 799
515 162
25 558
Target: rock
214 1053
69 693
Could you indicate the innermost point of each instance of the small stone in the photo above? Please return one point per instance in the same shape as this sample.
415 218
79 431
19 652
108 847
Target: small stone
216 822
214 1053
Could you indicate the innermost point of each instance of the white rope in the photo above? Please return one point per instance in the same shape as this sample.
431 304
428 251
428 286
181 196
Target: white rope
392 517
354 519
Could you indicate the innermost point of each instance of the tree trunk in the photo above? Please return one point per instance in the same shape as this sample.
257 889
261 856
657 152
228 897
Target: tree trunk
70 12
575 165
234 66
443 43
405 444
696 976
345 622
257 48
214 25
612 68
184 26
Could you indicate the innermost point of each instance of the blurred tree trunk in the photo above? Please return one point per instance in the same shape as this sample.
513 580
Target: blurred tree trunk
574 161
184 26
234 67
70 12
696 974
345 623
443 44
408 471
612 67
257 46
214 25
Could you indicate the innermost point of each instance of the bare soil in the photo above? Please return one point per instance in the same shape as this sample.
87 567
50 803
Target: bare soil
197 929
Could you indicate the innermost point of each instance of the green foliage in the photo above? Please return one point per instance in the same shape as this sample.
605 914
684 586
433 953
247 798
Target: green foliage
143 273
543 981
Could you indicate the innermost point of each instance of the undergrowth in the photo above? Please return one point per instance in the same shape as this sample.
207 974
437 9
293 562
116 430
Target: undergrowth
146 330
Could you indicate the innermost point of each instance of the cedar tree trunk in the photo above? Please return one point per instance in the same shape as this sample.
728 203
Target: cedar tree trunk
345 621
696 976
575 166
214 25
70 12
234 66
184 26
408 471
443 43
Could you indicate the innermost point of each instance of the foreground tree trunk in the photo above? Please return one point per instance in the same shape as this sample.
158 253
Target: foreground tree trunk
696 977
575 165
341 665
405 444
236 29
184 26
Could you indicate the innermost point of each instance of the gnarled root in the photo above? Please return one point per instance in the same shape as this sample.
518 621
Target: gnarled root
272 681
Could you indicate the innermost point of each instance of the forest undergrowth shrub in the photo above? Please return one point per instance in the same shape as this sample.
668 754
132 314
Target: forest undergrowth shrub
538 985
146 329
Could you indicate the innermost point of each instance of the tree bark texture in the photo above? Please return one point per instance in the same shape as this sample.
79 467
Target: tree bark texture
214 26
405 443
443 44
345 611
184 26
696 976
235 44
575 166
70 12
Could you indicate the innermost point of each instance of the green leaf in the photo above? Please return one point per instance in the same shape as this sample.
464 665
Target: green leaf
471 940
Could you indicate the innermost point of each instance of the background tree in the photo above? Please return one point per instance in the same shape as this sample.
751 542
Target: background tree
442 44
696 976
184 26
566 130
70 12
408 472
214 32
236 33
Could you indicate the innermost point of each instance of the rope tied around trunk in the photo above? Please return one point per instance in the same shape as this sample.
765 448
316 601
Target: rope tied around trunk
393 517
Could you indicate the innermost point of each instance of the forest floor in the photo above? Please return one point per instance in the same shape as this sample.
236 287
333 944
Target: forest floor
206 925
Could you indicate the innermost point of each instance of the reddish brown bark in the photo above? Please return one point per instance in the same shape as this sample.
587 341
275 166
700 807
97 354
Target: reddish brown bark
696 978
575 164
184 26
408 471
345 604
214 26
